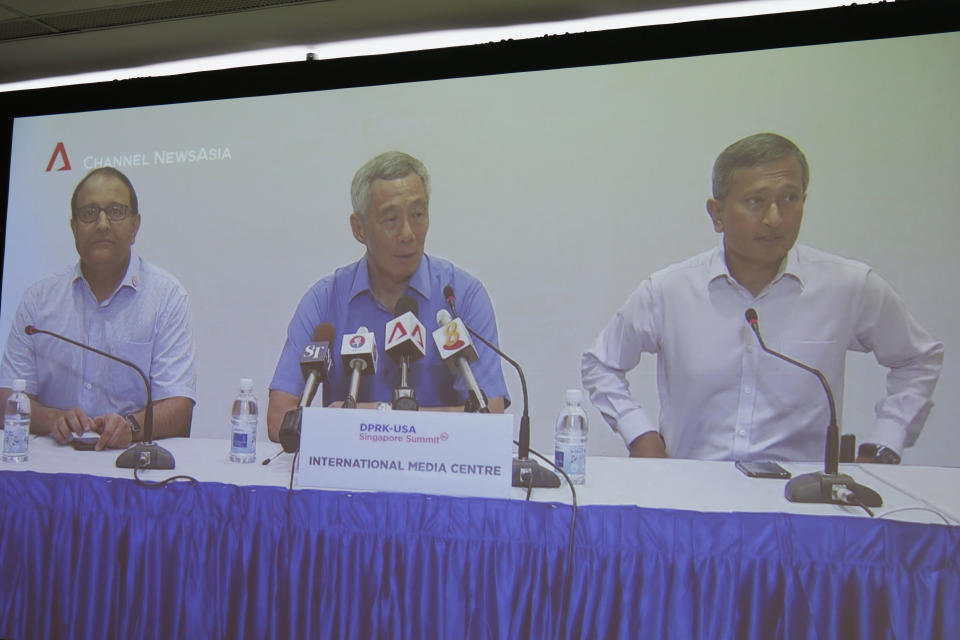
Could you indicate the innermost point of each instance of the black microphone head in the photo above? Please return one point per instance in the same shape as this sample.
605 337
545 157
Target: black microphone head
448 293
30 330
751 315
323 332
406 303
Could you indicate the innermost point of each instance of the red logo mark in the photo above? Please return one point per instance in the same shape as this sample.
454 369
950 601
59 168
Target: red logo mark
357 341
397 328
59 150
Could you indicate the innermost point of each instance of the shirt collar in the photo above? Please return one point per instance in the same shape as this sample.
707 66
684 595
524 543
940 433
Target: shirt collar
131 278
419 281
791 266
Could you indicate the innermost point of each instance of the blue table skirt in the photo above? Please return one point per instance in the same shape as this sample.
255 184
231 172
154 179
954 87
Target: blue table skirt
91 557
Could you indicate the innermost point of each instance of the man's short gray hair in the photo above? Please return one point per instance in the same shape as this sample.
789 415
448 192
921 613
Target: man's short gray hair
753 151
390 165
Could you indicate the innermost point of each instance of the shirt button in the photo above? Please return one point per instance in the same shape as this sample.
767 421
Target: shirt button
741 432
748 390
88 386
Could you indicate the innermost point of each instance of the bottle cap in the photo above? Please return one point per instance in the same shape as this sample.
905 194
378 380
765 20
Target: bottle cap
19 385
246 384
574 396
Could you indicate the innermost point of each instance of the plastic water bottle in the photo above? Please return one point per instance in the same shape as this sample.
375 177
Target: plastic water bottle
571 438
243 423
16 424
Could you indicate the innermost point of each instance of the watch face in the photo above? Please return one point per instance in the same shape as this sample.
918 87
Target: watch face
887 456
879 453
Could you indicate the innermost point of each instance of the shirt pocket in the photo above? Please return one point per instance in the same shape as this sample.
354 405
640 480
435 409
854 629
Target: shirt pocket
799 388
126 389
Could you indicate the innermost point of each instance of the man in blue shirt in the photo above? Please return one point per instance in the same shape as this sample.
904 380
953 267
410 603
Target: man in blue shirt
116 302
390 197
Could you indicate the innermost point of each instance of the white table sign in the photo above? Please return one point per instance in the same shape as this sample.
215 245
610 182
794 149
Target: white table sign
460 454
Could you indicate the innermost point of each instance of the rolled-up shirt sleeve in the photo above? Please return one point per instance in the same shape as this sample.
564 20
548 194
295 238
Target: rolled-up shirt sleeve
604 366
172 370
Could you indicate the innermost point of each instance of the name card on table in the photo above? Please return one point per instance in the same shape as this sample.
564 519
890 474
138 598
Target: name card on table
459 454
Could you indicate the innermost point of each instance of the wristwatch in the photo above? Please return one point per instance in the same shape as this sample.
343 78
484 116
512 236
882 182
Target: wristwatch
880 453
134 426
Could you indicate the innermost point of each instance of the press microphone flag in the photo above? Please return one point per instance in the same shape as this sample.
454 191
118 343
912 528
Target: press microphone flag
453 340
405 335
457 351
315 363
358 352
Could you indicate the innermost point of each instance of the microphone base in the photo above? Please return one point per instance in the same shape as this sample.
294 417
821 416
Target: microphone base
405 399
817 488
542 478
145 455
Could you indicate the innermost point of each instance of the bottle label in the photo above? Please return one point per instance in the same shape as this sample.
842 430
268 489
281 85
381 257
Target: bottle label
571 458
244 438
241 442
15 434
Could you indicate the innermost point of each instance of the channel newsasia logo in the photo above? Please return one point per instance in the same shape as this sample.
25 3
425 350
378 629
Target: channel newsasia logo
60 152
60 159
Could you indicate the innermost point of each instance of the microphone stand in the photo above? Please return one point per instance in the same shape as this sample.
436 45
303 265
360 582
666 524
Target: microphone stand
140 455
828 486
405 398
526 471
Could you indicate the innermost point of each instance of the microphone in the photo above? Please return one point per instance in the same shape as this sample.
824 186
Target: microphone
828 486
358 352
315 363
139 455
457 351
526 471
404 338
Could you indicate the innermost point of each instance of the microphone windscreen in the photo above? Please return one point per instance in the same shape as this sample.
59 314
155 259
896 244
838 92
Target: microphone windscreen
751 315
323 332
448 292
406 303
29 330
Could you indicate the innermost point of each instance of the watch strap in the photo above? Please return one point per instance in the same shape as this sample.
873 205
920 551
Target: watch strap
880 453
134 425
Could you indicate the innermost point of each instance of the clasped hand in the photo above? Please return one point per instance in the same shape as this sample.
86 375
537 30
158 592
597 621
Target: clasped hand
112 427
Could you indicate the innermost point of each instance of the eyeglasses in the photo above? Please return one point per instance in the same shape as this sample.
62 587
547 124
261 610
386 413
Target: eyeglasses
91 212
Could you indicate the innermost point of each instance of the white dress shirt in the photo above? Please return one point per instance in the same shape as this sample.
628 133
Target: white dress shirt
721 396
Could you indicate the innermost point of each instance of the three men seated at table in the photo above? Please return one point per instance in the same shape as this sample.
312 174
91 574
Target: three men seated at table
721 397
115 301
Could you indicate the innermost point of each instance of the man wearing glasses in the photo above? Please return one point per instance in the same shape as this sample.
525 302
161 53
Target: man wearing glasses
117 302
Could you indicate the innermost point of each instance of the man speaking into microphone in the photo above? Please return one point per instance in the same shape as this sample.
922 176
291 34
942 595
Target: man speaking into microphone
390 196
114 301
721 396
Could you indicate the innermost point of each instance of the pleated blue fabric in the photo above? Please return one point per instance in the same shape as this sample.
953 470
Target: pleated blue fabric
90 557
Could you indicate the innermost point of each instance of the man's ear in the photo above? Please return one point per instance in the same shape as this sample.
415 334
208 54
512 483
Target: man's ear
714 210
357 227
136 227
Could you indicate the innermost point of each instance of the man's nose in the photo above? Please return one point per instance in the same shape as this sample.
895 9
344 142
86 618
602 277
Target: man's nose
406 231
773 218
103 222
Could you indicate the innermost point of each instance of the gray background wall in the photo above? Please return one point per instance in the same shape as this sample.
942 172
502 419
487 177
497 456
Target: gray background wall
561 190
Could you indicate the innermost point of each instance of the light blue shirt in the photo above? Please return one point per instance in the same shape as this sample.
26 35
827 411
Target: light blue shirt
345 301
721 397
146 321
